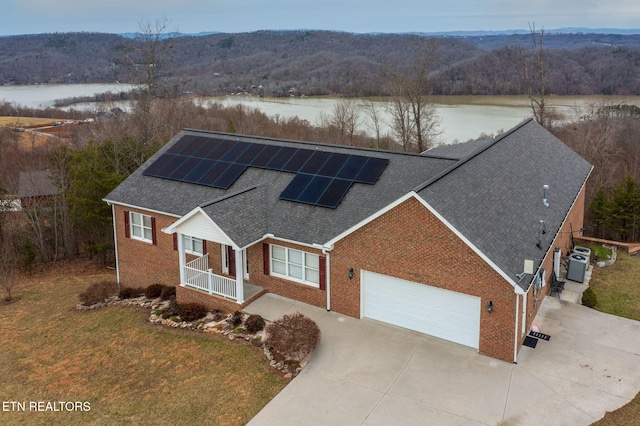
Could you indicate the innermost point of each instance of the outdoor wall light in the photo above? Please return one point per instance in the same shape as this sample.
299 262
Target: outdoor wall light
490 306
350 273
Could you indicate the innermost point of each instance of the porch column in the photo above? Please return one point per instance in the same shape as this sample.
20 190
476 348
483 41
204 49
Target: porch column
182 259
239 276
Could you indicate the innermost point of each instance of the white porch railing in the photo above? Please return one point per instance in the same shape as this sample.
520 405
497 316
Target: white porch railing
198 275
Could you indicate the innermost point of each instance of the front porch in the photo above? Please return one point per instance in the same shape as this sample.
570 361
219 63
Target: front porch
198 276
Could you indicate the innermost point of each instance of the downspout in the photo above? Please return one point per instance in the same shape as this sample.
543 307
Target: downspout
325 251
515 340
115 243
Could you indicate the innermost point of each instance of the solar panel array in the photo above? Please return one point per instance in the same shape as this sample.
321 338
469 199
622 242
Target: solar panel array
322 178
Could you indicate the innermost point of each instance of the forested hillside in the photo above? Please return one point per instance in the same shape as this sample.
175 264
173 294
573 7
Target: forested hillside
322 62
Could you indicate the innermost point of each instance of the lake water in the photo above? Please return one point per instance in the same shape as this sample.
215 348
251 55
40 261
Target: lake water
461 117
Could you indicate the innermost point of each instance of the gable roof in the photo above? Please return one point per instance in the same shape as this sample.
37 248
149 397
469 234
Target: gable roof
494 196
490 192
251 207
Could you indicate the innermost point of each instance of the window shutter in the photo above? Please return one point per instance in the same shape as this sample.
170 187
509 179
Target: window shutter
322 264
127 228
153 231
204 247
265 258
175 241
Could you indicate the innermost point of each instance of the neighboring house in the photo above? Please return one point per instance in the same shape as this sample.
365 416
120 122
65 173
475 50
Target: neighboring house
36 187
435 242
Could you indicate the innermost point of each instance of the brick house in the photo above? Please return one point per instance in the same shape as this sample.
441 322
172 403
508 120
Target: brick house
435 242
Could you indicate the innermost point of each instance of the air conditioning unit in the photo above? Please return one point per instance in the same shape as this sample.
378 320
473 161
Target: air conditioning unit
585 251
578 265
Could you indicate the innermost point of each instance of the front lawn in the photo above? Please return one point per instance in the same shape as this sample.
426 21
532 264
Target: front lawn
617 288
127 370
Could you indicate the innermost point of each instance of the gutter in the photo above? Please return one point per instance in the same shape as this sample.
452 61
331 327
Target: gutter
326 251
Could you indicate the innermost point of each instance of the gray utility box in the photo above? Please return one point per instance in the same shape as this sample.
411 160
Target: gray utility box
578 264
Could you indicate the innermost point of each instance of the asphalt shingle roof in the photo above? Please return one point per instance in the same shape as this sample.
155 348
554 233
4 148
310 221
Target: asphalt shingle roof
494 197
490 191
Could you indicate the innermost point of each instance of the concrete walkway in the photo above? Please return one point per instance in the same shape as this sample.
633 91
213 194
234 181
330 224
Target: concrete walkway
368 373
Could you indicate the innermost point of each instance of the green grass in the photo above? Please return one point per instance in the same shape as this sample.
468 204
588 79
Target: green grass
131 372
618 290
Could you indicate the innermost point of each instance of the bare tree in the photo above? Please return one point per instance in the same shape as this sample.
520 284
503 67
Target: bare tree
345 119
534 76
372 112
414 114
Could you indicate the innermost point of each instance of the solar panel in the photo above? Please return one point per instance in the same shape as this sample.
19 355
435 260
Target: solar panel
334 194
234 152
296 161
281 158
333 164
265 156
321 178
187 165
251 153
179 146
351 167
155 167
315 162
296 187
371 170
226 179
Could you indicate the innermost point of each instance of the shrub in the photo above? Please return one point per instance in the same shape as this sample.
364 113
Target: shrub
130 292
235 319
254 324
171 310
218 314
293 336
98 292
167 292
191 311
153 291
589 298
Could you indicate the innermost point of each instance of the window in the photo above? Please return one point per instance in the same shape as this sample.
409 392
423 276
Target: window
141 227
192 244
295 265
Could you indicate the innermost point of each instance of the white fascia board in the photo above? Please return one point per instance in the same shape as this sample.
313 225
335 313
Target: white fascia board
175 227
131 206
316 246
413 194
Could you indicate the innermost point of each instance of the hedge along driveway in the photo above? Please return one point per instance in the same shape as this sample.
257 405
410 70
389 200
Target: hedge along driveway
130 372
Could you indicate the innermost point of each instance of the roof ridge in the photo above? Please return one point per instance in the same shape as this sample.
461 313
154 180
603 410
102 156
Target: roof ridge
470 156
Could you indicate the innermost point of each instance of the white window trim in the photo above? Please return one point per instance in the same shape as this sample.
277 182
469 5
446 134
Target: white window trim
142 227
286 261
186 238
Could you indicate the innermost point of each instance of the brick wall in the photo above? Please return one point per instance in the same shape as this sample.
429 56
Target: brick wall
140 263
434 256
573 223
283 287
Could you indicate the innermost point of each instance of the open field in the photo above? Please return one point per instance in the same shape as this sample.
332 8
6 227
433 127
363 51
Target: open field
26 121
127 370
618 290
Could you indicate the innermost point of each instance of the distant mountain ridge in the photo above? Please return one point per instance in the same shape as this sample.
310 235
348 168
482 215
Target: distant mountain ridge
284 63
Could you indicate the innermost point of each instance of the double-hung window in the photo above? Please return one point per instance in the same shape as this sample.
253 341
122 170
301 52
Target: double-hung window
141 227
193 245
295 265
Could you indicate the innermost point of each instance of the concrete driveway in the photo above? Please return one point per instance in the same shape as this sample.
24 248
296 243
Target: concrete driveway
368 373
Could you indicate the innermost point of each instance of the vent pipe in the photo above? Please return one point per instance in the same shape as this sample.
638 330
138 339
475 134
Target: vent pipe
545 196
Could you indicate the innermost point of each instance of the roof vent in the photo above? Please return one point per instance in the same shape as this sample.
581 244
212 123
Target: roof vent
545 196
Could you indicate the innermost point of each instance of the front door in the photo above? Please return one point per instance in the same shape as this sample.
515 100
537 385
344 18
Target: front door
231 260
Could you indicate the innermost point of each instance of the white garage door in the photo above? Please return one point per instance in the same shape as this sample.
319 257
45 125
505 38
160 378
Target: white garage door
430 310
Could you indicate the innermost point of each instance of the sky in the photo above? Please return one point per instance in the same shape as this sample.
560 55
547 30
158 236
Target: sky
358 16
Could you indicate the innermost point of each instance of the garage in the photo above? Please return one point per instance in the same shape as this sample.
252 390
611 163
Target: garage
430 310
